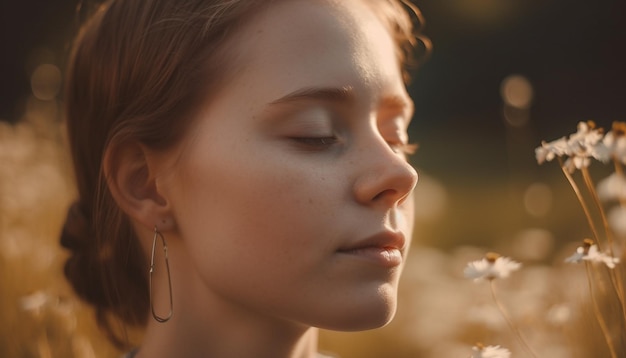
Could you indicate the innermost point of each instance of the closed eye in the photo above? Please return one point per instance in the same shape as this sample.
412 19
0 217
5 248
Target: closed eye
316 142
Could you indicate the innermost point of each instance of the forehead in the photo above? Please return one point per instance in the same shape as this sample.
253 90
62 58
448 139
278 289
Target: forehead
299 43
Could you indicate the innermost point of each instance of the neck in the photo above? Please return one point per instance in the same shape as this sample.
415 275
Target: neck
207 325
227 342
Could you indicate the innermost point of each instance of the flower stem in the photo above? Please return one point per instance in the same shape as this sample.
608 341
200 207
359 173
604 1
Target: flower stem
598 314
594 194
616 281
579 196
509 321
619 171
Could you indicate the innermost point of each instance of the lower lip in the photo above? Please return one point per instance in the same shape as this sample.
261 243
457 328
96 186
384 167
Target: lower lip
386 257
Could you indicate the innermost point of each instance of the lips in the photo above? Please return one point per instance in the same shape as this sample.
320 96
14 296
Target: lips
383 249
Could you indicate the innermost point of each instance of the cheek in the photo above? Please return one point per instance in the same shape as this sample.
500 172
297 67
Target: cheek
257 227
265 210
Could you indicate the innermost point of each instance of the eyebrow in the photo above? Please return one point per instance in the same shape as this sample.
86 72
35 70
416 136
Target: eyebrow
345 94
327 94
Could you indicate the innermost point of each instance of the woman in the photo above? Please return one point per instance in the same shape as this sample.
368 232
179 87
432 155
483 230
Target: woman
241 171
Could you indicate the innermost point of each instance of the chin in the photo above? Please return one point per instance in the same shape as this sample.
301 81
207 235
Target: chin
361 322
367 323
361 314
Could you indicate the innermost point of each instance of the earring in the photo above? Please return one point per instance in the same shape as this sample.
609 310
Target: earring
158 318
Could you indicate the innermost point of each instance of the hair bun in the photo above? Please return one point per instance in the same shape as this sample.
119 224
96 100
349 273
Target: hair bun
75 234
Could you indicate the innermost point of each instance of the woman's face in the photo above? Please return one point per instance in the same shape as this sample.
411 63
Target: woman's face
292 194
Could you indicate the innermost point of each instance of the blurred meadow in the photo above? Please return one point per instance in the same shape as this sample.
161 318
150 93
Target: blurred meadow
504 75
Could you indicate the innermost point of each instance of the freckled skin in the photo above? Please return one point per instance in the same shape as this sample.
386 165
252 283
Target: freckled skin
238 191
260 217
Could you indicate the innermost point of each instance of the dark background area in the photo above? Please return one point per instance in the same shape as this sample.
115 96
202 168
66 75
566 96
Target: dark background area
571 51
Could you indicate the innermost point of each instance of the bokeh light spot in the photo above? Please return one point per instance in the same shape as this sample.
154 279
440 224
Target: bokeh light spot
538 199
516 91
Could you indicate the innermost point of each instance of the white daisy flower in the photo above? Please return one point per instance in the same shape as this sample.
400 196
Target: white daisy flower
579 147
550 150
587 135
615 141
492 266
577 162
585 144
589 252
480 351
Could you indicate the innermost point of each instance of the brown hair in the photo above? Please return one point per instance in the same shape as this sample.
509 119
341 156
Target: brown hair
137 72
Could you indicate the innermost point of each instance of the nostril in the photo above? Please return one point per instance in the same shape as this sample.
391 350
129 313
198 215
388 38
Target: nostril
405 198
384 194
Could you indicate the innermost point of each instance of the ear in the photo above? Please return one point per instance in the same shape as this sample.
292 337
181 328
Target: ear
132 180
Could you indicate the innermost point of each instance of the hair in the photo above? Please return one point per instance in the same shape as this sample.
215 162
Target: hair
139 71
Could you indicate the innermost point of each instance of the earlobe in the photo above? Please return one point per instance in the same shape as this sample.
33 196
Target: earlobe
132 181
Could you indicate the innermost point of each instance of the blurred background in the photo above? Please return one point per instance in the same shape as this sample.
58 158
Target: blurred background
503 75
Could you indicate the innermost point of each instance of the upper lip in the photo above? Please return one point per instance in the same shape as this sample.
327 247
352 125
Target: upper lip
385 240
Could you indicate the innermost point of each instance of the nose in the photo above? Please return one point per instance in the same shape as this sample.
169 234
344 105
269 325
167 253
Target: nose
386 179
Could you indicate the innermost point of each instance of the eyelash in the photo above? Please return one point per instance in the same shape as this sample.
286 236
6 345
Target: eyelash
316 142
323 142
404 148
